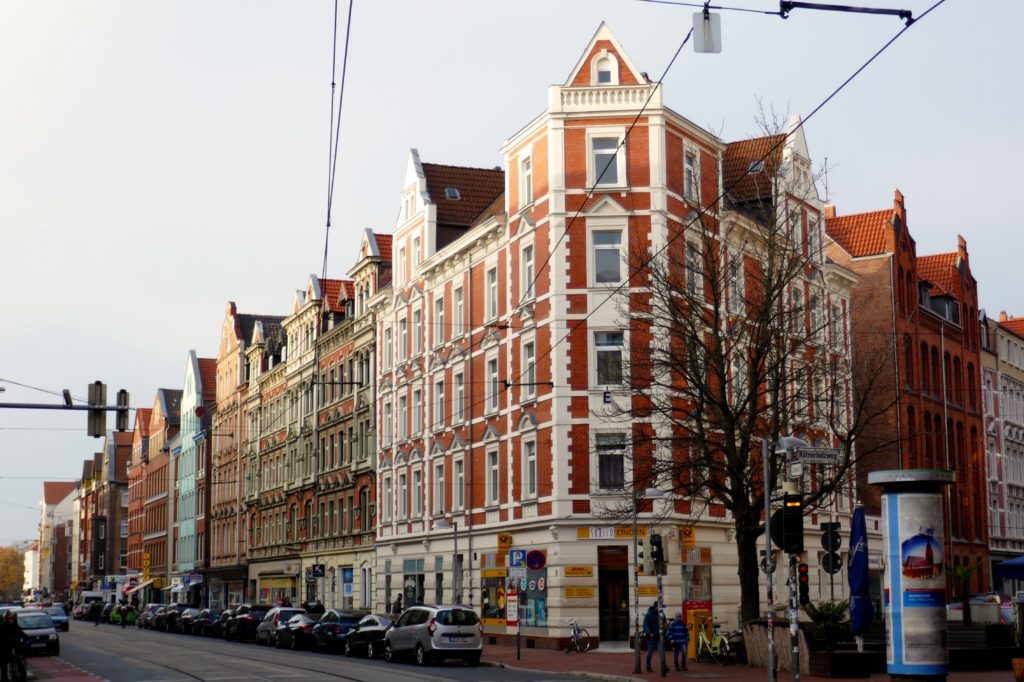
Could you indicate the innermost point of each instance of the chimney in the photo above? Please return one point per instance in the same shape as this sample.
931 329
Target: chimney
961 247
830 211
1003 317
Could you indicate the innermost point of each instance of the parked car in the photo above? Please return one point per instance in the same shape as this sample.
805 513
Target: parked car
58 616
276 619
163 620
297 633
145 619
105 613
207 623
78 611
243 623
333 627
435 633
367 636
183 623
40 635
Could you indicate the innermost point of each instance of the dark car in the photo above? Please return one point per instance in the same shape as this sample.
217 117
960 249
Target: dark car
333 627
276 619
243 623
367 636
297 633
183 623
168 622
105 613
145 619
40 635
58 616
207 623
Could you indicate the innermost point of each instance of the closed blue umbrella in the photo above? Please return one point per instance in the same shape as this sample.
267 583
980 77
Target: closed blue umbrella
861 610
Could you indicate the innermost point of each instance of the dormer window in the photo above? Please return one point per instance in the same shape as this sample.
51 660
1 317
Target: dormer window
452 194
604 69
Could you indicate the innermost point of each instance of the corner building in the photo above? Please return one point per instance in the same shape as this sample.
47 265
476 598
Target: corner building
497 346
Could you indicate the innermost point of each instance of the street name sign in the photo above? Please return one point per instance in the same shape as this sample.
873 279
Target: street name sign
818 455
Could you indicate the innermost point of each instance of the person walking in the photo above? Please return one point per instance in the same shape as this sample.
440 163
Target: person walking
679 635
122 611
95 611
396 608
12 637
652 629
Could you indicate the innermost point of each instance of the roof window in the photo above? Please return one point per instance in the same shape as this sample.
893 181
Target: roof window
452 193
755 166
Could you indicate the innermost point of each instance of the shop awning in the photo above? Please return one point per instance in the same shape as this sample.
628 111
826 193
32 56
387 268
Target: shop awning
139 586
177 588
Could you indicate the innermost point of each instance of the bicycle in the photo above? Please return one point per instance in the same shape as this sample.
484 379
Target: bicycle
715 648
579 638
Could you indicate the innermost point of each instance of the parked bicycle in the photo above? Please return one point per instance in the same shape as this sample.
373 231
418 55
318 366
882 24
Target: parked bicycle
579 638
714 648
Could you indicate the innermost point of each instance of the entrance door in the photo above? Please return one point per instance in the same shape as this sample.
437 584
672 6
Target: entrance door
613 591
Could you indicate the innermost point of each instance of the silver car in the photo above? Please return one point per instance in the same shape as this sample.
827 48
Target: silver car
435 633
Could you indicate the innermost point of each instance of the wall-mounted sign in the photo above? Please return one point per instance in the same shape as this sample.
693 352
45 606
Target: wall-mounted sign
609 532
647 591
504 542
688 536
579 593
536 560
579 571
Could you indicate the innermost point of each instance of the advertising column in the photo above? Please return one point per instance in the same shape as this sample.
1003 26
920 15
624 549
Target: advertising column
914 571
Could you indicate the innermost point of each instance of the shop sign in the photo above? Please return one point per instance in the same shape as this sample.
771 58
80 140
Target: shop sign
609 532
504 542
688 536
511 608
579 571
492 573
647 591
579 593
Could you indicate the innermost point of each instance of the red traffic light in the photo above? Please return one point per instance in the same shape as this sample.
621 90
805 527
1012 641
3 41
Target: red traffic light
802 573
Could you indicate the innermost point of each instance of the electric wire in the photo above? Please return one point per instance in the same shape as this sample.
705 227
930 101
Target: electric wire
724 8
334 146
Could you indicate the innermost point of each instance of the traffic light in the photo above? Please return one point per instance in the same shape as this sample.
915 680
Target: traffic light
644 561
657 548
803 580
792 523
122 412
97 420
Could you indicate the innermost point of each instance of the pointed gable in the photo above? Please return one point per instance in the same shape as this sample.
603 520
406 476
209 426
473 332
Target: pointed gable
603 52
208 378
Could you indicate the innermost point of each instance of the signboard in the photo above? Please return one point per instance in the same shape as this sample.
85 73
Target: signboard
517 573
579 571
584 592
511 608
492 573
317 570
688 536
536 560
517 558
647 591
818 455
504 542
609 532
145 565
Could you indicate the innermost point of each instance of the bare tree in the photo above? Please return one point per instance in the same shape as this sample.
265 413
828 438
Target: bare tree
738 334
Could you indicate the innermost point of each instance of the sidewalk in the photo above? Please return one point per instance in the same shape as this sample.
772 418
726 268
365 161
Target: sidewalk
618 666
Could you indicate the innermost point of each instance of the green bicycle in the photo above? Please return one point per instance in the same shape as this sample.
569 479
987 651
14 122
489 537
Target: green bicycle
714 648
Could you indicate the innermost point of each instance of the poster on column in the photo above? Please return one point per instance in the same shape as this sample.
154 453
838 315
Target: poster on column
916 582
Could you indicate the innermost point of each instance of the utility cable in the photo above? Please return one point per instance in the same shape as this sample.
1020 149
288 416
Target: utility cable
334 144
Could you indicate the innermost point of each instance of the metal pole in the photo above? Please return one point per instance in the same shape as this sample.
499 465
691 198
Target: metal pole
769 563
456 572
661 630
794 619
636 593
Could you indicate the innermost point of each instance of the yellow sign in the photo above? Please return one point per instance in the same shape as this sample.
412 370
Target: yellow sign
647 591
579 593
579 571
504 542
492 573
688 535
609 532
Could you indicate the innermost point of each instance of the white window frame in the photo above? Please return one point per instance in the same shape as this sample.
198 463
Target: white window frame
611 451
439 329
529 369
387 499
814 237
417 332
403 339
694 264
530 484
417 412
403 496
416 245
417 493
526 270
595 71
493 481
525 180
737 284
691 173
388 424
491 368
458 312
458 484
400 270
616 133
439 404
388 349
458 397
594 248
403 417
438 502
599 348
491 292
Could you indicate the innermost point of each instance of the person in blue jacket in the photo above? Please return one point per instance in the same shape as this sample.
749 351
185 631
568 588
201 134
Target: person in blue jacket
652 628
679 635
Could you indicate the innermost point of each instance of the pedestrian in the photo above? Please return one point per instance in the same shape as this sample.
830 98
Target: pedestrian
679 635
11 639
396 608
122 611
95 611
652 628
317 608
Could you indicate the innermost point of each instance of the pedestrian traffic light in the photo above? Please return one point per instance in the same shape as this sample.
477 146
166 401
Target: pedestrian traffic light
803 580
792 523
97 420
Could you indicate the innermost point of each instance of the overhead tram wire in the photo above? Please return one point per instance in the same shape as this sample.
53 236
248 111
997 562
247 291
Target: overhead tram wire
701 212
334 133
701 5
607 165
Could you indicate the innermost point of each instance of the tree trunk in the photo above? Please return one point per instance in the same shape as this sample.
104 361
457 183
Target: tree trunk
748 567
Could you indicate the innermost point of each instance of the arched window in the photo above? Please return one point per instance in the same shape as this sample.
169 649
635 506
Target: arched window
604 69
912 436
924 368
908 363
958 382
972 390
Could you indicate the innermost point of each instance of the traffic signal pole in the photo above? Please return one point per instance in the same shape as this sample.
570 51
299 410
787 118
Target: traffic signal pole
794 618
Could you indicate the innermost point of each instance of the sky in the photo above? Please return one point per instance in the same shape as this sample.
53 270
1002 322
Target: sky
159 159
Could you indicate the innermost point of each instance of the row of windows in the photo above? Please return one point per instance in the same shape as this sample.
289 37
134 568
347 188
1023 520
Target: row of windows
338 515
943 380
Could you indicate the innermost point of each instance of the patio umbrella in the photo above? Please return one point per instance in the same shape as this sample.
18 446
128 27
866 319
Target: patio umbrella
1012 568
861 610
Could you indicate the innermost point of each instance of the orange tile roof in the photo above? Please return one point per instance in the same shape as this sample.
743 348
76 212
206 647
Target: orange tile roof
861 234
1014 324
55 491
208 375
142 416
335 291
478 187
940 271
742 186
383 245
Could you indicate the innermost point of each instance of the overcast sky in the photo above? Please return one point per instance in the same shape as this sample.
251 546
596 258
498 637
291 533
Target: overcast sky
158 159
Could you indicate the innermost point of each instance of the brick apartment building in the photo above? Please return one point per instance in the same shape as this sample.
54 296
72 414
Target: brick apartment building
921 311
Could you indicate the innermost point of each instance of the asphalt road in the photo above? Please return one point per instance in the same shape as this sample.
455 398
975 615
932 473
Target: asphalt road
134 655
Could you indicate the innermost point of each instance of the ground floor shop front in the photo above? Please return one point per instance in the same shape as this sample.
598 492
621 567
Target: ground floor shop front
339 578
275 582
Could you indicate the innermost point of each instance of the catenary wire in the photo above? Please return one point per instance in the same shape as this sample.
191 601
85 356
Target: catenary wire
716 7
334 145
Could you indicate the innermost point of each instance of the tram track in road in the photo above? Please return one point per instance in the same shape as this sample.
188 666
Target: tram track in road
233 661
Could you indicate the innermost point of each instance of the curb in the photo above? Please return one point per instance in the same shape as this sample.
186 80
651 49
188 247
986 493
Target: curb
566 673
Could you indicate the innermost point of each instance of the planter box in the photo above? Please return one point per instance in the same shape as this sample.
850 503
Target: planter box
840 663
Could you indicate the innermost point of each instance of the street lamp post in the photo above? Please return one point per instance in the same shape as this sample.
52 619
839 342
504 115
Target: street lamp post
650 493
